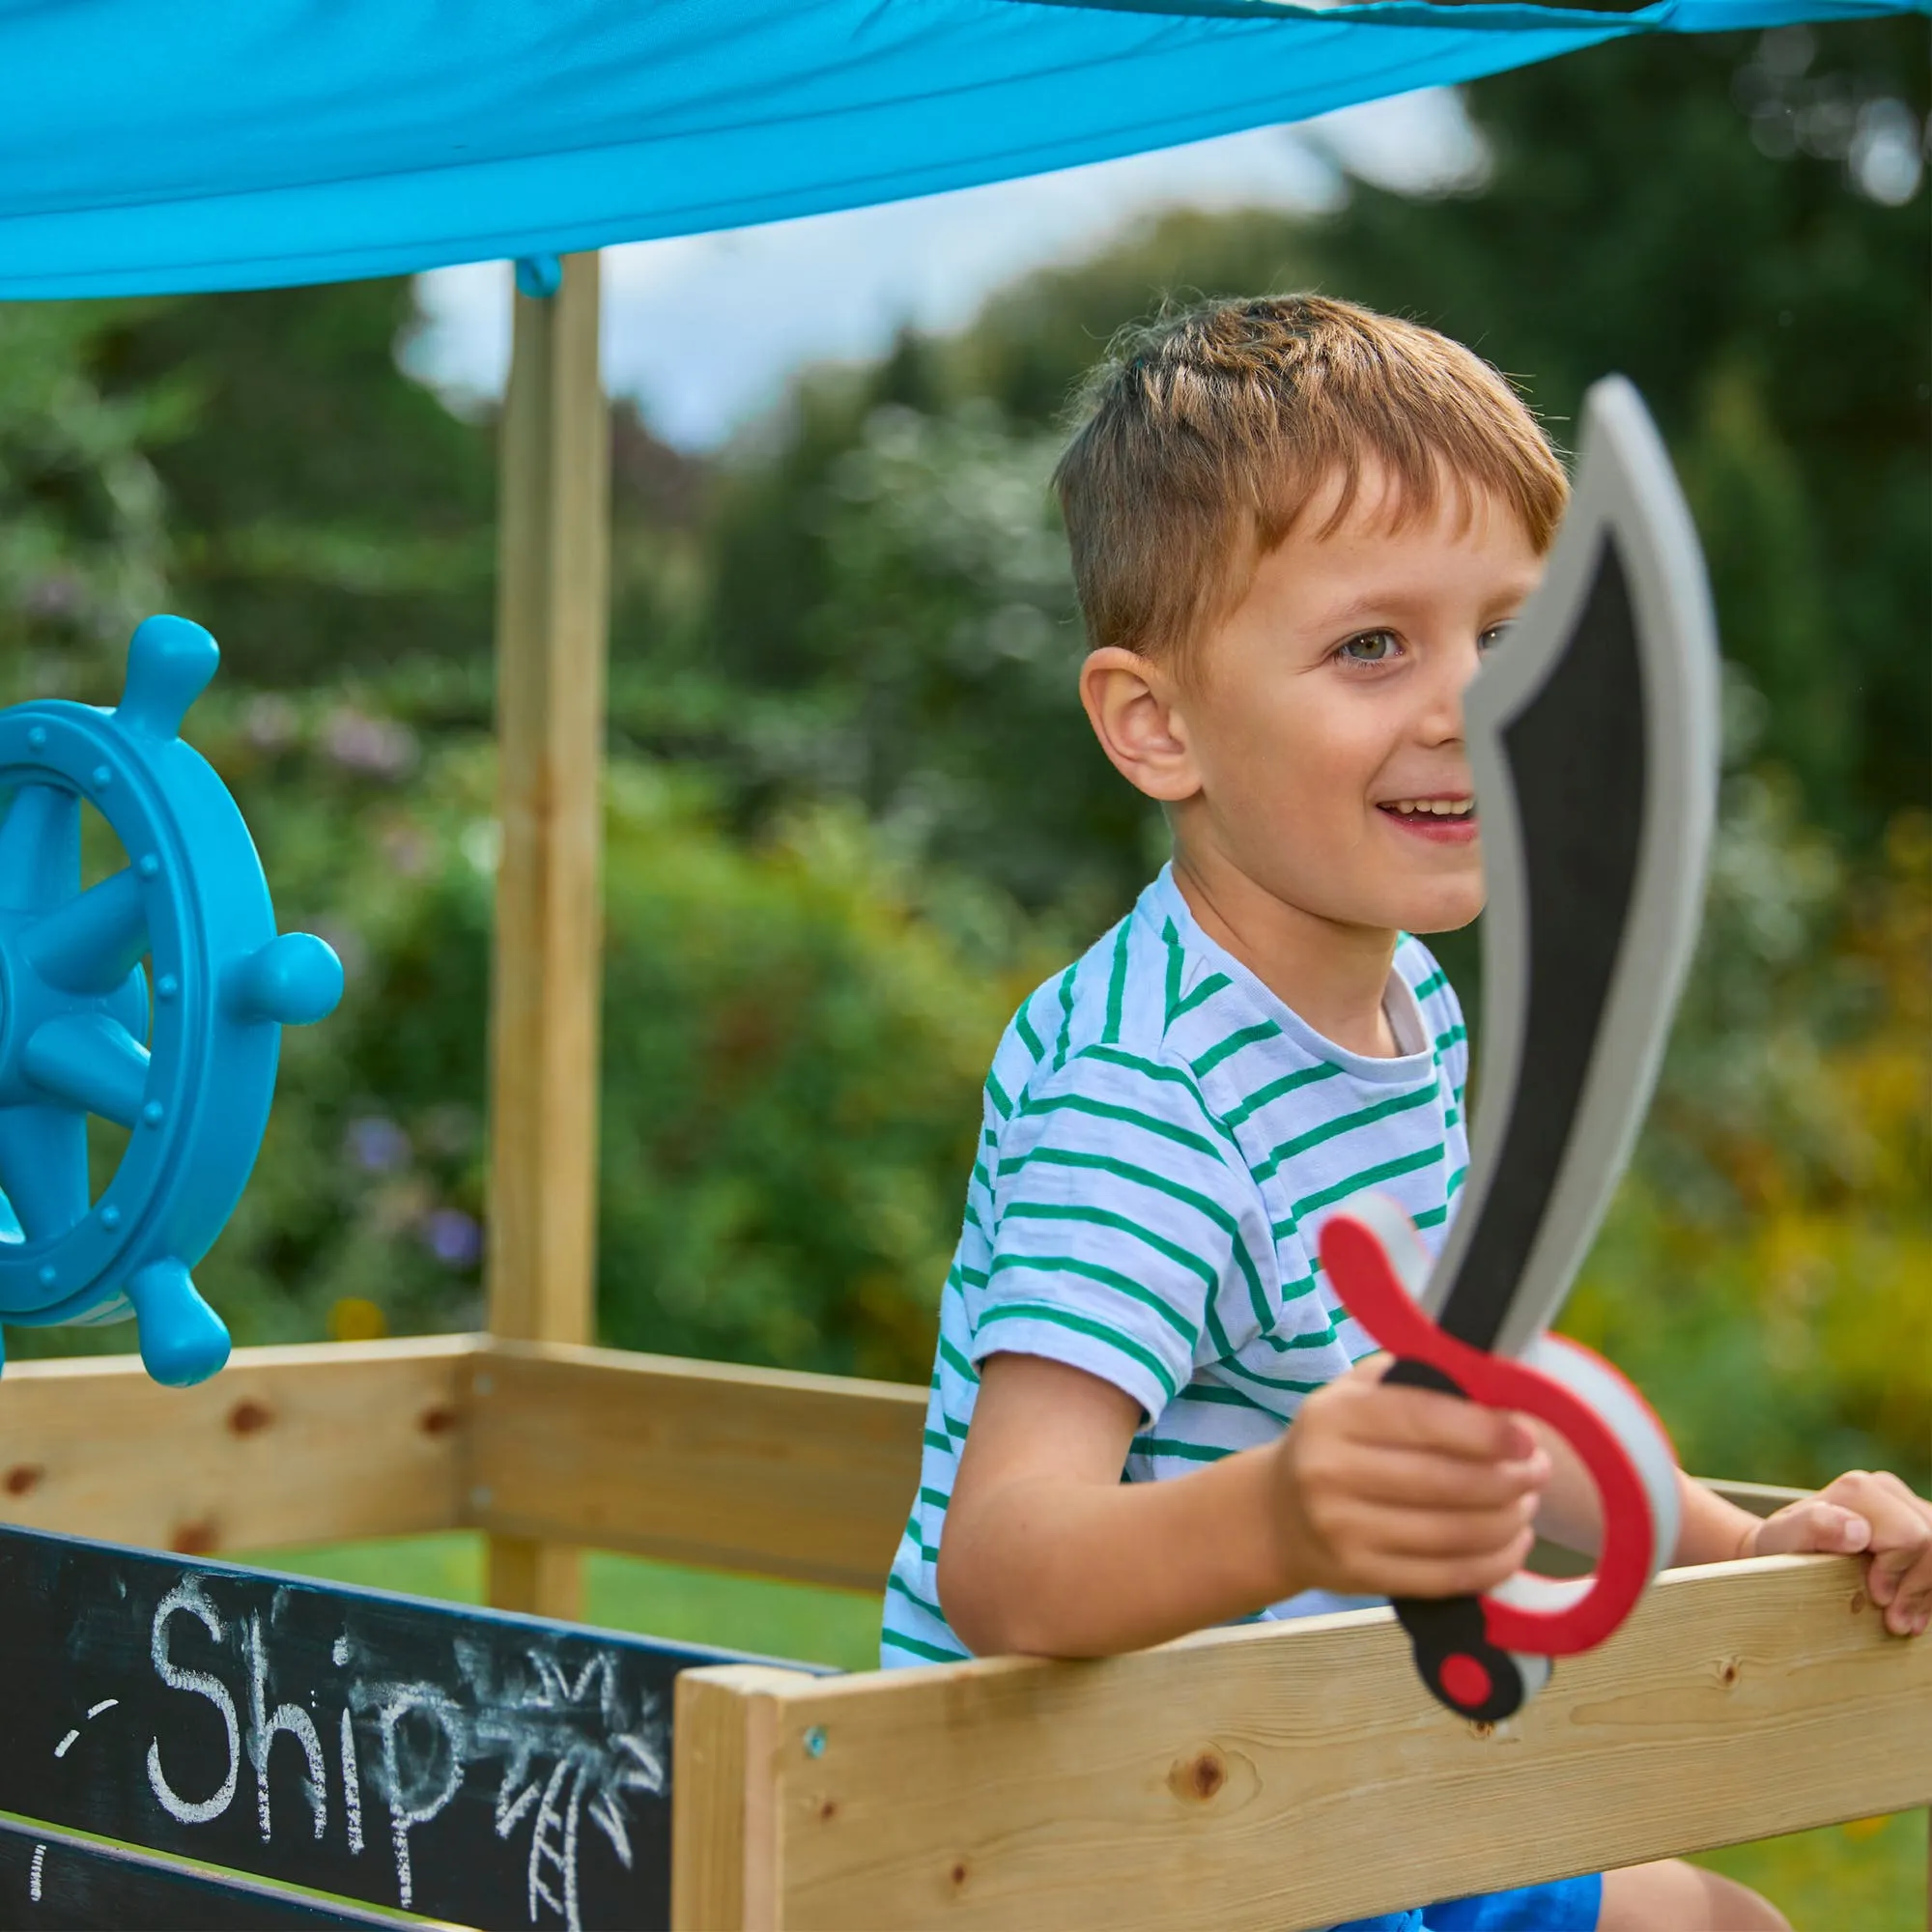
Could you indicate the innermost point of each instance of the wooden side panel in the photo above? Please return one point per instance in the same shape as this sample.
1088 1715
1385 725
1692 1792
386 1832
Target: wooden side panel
285 1446
787 1475
551 624
722 1821
1251 1778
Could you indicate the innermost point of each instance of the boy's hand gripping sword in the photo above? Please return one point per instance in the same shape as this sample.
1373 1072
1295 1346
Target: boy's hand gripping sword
1593 734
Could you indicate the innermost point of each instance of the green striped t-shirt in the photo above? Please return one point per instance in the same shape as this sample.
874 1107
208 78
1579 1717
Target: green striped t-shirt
1160 1142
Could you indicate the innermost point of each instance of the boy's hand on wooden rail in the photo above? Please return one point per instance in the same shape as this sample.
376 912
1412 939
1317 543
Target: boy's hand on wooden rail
1869 1513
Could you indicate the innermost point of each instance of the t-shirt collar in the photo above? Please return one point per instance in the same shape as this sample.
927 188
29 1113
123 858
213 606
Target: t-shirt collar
1164 901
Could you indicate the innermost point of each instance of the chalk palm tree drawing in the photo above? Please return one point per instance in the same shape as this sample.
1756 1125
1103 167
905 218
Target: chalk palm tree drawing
573 1746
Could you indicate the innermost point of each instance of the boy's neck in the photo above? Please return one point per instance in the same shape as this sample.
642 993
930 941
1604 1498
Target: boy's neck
1332 976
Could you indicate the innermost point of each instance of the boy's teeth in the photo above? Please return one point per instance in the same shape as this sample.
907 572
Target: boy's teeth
1439 807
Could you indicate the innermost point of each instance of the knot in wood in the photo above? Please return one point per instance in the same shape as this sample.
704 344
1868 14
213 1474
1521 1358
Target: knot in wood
957 1875
1196 1780
1729 1670
248 1417
193 1539
23 1478
438 1421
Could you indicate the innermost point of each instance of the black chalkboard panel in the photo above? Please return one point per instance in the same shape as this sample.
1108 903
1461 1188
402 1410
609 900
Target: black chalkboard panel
470 1765
53 1882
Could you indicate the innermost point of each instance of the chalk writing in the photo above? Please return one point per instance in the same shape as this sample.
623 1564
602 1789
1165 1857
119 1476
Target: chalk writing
499 1771
186 1595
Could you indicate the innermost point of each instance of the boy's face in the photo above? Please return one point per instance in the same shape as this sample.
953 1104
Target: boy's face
1320 734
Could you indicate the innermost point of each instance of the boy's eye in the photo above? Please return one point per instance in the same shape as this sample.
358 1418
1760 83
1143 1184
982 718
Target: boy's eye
1370 647
1493 636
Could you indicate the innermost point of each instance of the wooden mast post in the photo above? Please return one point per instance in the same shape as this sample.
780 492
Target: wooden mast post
552 631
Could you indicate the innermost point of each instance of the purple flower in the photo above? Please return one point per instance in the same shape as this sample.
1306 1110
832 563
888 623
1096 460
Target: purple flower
453 1237
376 747
378 1146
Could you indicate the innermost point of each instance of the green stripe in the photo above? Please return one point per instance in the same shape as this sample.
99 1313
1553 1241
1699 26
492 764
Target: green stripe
1456 1181
1233 1043
1313 1339
1305 1076
1065 1015
1032 1042
955 1361
913 1597
1445 1041
1210 1211
997 1093
1154 1069
1282 1382
1081 1324
980 1175
1103 1110
1186 1452
1353 1183
938 1498
1175 962
1105 1217
1107 1278
913 1647
1430 1216
1213 1395
1434 984
1206 991
1116 984
1343 1123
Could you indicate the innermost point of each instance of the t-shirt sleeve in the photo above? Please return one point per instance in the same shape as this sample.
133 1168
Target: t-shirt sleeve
1124 1218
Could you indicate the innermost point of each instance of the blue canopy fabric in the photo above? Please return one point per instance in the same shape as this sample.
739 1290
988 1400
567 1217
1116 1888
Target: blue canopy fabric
206 144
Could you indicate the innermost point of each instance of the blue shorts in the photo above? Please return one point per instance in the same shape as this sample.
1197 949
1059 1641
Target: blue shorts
1570 1905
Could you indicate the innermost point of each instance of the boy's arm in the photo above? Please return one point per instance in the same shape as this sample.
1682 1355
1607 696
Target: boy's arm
1373 1489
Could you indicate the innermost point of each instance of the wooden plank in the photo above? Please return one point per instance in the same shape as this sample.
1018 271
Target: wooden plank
786 1475
552 627
1293 1775
287 1445
717 1731
58 1879
486 1768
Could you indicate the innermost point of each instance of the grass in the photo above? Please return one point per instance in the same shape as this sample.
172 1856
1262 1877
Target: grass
1868 1875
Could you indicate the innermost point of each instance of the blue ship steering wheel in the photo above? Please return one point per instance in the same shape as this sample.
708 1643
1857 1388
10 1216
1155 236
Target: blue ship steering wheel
184 1060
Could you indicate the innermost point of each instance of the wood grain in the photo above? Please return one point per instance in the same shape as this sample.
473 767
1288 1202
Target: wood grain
721 1720
753 1469
1292 1776
551 626
286 1446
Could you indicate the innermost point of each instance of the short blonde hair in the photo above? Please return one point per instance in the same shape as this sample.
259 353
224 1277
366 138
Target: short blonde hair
1207 434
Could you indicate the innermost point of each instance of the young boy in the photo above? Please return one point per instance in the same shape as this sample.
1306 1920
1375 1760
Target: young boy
1296 527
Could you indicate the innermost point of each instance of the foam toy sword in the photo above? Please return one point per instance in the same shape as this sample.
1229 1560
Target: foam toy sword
1593 735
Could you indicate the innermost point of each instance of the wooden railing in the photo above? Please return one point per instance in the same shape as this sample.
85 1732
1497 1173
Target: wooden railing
1264 1776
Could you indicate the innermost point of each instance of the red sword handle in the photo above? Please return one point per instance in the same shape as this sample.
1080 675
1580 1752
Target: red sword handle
1484 1657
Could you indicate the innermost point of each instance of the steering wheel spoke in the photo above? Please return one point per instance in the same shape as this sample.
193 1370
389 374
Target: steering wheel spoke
44 1168
40 849
91 944
89 1062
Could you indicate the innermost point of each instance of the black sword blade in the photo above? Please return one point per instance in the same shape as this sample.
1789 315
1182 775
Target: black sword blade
1593 735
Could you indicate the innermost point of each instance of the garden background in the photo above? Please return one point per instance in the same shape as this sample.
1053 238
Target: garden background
854 814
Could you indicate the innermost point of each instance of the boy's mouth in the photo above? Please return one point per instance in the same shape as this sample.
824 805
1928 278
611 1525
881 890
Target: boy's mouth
1449 820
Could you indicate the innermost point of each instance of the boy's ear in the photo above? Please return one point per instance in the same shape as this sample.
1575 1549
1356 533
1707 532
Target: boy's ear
1133 707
